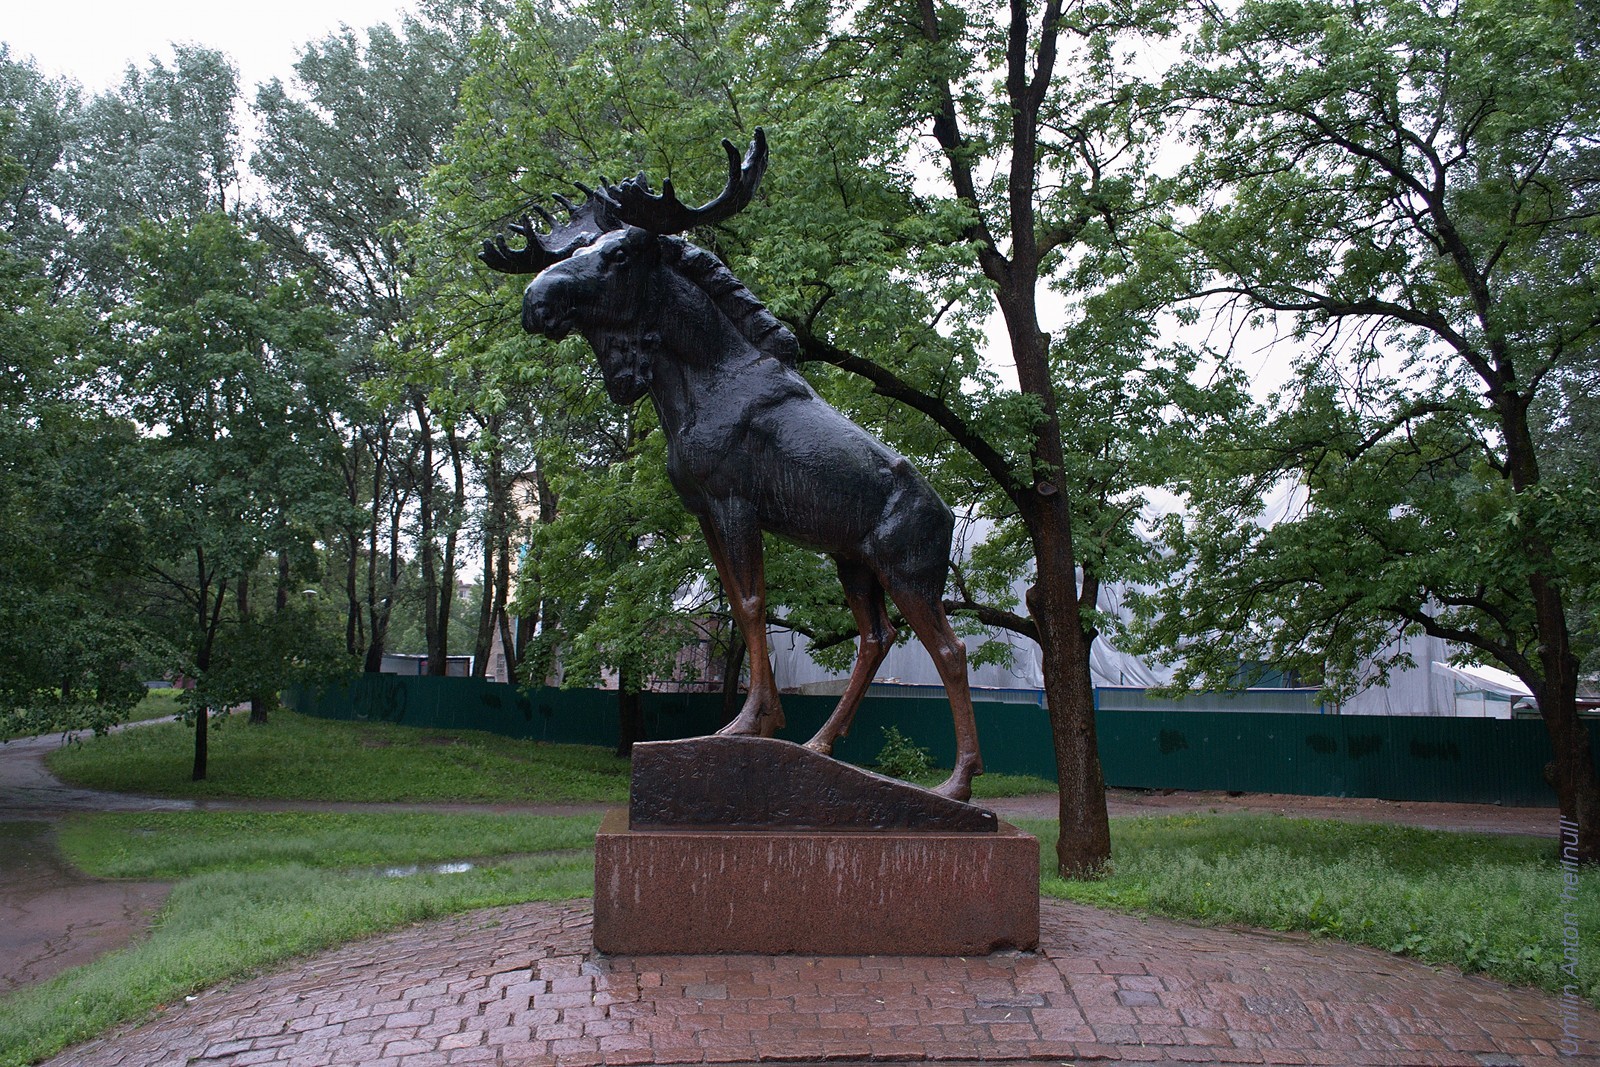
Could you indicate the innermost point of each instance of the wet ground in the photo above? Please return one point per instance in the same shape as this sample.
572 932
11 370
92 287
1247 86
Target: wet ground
53 917
29 791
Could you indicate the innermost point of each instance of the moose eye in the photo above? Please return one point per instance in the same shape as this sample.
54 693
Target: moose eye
615 252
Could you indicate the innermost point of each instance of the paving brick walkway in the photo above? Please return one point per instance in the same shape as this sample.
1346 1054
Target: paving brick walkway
521 987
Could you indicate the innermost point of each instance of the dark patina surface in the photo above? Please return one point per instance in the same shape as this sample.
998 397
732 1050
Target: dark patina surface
751 447
756 783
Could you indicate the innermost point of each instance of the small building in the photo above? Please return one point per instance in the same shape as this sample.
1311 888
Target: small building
398 663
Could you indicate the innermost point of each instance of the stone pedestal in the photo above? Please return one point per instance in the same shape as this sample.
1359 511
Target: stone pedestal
831 894
726 852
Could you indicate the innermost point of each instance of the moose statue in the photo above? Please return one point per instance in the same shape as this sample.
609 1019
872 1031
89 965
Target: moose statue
750 445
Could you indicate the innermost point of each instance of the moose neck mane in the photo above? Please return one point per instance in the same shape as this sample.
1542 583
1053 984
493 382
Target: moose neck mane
748 315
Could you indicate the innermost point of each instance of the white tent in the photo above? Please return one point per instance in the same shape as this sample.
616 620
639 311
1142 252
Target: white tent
909 664
1486 692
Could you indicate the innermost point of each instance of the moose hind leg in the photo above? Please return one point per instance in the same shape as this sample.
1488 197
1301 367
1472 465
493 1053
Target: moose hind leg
735 542
864 593
927 618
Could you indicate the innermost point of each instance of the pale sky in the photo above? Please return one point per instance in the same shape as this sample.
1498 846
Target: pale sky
93 41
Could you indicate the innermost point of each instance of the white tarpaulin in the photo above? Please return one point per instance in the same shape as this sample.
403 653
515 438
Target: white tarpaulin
1486 680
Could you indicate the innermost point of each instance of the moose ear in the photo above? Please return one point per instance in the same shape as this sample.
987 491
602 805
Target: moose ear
636 245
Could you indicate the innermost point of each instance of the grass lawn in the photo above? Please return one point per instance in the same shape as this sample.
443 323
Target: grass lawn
157 704
1483 902
993 786
256 889
303 758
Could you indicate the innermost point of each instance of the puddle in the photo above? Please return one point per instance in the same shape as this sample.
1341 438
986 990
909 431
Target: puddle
428 868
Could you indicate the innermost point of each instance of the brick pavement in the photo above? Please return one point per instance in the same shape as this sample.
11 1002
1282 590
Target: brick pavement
520 987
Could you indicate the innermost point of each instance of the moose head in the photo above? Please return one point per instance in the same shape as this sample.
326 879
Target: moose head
594 270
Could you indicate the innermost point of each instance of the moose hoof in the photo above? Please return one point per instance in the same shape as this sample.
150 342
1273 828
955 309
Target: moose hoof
956 788
739 728
754 720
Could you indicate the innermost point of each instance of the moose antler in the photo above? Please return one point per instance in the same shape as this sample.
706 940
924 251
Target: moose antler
633 203
629 204
585 222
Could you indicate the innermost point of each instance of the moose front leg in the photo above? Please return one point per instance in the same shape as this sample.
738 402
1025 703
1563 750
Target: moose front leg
735 540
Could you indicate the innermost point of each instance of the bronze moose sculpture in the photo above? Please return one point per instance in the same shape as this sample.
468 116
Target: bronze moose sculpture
750 445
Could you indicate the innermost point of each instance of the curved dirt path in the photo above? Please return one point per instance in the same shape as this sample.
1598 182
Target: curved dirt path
523 986
52 917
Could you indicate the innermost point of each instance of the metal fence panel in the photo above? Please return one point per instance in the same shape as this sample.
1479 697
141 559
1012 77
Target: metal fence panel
1389 757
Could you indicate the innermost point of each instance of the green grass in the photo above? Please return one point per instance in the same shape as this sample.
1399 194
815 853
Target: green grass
993 786
297 757
1484 903
302 758
282 896
156 704
165 845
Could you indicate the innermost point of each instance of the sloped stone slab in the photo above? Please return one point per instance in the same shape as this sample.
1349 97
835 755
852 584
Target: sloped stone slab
758 783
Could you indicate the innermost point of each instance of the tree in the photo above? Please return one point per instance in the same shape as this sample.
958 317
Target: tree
343 154
220 359
72 646
43 116
163 145
1412 187
888 273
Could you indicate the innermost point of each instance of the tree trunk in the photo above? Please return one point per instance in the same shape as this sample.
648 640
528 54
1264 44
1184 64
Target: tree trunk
1574 777
380 608
501 608
1084 846
439 647
490 607
258 703
201 730
210 614
427 519
485 639
354 631
630 714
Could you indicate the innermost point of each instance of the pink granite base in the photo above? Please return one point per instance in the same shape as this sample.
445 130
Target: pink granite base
660 892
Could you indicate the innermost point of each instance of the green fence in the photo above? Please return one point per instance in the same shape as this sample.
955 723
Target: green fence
1391 757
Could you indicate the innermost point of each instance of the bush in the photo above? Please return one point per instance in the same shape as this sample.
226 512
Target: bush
901 757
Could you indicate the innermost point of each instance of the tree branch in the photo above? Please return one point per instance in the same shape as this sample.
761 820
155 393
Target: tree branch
993 616
947 131
886 383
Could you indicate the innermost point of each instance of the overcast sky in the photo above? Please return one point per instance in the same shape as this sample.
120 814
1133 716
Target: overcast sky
93 41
